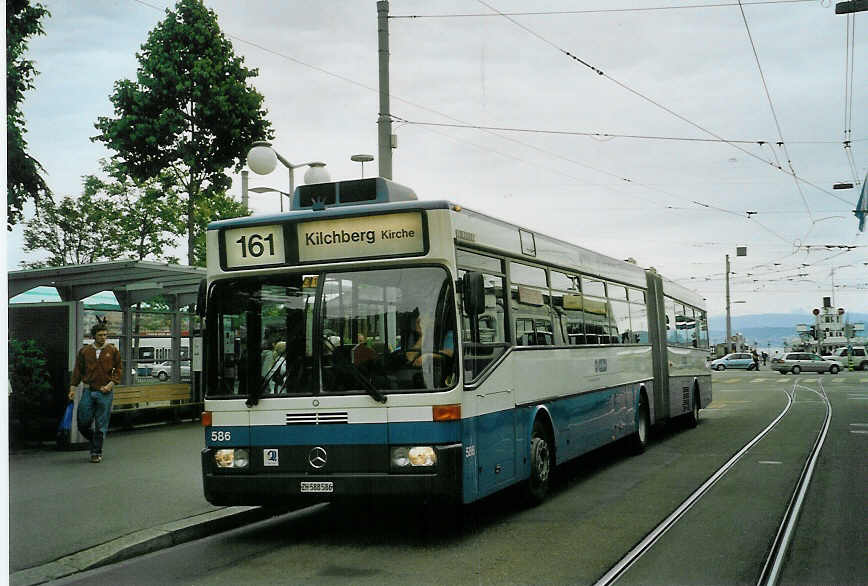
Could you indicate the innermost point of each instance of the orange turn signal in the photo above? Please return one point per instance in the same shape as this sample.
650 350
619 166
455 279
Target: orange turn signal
447 412
206 419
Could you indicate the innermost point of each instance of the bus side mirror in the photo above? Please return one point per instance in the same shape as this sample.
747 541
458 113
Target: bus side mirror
473 290
200 298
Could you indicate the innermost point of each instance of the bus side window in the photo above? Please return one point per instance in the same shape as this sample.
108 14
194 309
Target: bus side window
491 328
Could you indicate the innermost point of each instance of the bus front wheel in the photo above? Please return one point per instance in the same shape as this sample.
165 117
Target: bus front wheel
693 416
541 463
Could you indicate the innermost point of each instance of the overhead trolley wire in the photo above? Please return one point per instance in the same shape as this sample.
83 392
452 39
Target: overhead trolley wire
604 135
772 108
642 96
849 57
595 10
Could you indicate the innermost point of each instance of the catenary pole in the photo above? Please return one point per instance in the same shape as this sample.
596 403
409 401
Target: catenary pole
384 120
728 313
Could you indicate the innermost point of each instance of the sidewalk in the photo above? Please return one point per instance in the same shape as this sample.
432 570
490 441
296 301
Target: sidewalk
67 515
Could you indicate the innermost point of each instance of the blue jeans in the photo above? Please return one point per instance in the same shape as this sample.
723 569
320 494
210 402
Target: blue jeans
94 411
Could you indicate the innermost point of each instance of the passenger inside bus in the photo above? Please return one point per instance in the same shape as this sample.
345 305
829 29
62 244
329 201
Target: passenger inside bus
416 353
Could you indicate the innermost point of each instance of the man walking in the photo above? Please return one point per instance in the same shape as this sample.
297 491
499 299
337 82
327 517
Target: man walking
99 366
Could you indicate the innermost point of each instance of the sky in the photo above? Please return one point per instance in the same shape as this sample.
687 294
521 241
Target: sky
646 129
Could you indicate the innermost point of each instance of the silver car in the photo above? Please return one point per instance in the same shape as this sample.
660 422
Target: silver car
797 362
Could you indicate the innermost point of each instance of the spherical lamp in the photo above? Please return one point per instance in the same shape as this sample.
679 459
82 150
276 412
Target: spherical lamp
262 159
316 173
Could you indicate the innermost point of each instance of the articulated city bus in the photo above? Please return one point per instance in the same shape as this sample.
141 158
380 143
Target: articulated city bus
368 343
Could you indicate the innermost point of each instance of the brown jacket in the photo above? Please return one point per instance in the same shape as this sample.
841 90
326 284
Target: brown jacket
97 373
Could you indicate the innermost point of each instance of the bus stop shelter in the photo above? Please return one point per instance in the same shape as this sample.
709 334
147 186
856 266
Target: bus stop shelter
61 328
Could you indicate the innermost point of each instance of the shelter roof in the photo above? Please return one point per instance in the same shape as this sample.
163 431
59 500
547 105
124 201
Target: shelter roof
131 281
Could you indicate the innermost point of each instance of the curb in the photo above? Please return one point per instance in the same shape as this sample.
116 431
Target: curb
142 542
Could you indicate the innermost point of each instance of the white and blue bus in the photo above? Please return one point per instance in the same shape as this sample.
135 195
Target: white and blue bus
368 343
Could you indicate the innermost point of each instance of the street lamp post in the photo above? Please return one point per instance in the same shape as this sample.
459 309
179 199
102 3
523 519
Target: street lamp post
739 251
262 160
271 190
362 159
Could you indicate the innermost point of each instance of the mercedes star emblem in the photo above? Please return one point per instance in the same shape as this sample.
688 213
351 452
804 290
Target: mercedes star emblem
317 457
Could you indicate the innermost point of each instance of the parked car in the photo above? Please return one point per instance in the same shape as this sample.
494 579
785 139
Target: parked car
860 357
163 370
796 362
734 360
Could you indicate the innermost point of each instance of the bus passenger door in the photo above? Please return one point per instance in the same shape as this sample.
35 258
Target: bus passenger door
495 439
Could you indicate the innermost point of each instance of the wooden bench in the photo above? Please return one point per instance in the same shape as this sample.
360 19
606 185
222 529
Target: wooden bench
132 399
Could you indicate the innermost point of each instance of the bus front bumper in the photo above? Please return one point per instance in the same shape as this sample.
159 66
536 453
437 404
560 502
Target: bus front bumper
259 487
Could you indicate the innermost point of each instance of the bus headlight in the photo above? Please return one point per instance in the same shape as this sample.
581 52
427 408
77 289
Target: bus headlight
413 457
232 458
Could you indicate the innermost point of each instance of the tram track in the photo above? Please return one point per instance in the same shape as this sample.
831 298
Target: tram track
774 562
774 559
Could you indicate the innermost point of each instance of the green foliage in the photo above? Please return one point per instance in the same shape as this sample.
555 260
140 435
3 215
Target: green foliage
30 385
23 173
148 213
218 207
75 231
189 111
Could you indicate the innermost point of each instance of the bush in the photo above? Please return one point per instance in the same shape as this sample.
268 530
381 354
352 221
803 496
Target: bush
30 393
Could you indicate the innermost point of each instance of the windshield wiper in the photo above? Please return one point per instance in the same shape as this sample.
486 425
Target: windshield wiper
373 391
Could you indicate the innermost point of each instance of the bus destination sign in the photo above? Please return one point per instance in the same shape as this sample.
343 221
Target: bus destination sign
362 237
254 246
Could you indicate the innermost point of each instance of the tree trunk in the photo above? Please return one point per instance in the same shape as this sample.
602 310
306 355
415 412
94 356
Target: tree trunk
191 248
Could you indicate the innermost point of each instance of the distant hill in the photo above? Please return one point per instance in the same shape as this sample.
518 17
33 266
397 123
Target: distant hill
766 329
773 320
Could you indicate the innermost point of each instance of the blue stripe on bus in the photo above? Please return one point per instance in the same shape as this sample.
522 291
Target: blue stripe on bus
495 444
341 434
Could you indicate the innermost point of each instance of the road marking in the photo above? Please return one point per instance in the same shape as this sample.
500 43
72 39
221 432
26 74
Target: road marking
758 380
838 380
859 424
862 431
769 462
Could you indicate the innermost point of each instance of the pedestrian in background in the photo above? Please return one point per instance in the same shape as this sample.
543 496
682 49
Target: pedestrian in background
98 365
755 359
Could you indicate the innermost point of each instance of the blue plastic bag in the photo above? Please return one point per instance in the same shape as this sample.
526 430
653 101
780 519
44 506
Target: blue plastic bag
63 430
66 422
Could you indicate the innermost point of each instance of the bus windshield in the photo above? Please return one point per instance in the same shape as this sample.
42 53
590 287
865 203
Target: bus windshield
374 331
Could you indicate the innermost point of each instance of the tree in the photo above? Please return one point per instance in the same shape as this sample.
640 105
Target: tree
75 231
23 173
219 207
189 112
114 217
149 213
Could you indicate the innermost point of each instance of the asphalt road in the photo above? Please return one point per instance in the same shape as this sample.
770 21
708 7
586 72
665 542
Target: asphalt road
602 505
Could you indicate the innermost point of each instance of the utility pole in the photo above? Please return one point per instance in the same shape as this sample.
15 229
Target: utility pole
728 312
384 120
739 251
245 201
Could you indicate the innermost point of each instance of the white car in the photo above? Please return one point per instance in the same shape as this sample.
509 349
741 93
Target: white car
163 370
860 359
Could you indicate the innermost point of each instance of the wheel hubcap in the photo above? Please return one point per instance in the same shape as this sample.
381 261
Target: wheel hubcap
541 459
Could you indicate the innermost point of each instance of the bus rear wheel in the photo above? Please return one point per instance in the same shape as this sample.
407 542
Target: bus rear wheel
639 439
541 463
